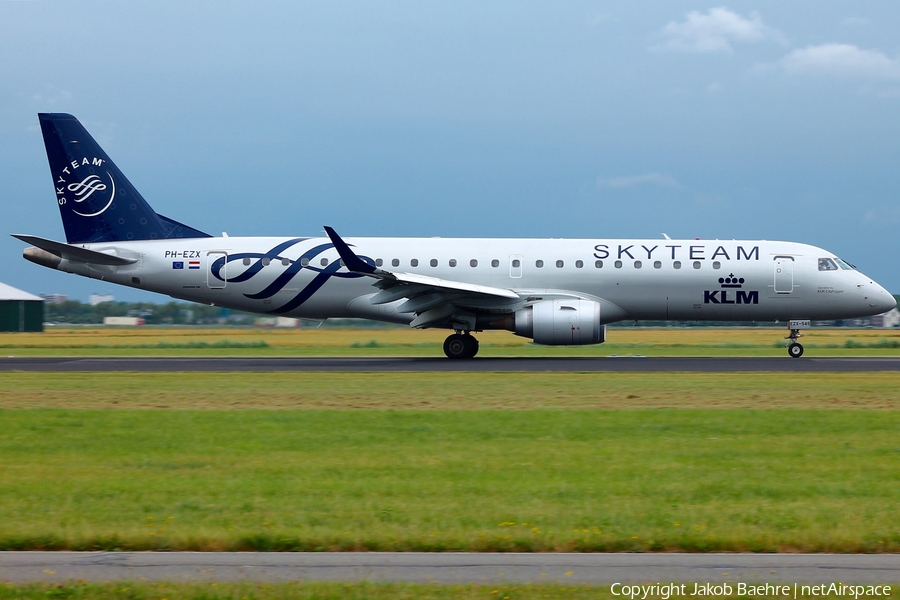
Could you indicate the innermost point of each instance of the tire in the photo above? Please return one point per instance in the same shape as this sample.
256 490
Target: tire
473 346
795 350
455 346
460 346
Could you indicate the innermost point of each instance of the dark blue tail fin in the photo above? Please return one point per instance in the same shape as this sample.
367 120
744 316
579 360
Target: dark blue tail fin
97 202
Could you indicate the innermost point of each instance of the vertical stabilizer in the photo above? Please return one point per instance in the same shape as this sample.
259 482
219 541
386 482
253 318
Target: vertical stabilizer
97 203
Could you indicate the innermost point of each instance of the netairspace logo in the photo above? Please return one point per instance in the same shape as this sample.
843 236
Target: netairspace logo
665 591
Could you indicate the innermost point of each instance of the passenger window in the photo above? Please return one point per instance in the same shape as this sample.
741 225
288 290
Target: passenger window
826 264
304 262
395 262
452 262
473 263
579 264
559 264
539 263
495 263
598 264
414 262
516 263
433 262
285 262
696 264
266 262
717 265
378 262
657 264
638 264
618 264
324 262
677 264
246 262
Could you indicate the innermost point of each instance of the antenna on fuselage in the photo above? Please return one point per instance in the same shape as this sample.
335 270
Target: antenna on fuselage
666 236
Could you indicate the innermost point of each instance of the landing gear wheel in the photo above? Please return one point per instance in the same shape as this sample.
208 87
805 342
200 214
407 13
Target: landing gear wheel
795 350
460 345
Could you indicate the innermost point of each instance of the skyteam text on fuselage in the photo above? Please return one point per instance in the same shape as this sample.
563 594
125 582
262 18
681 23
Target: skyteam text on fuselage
556 292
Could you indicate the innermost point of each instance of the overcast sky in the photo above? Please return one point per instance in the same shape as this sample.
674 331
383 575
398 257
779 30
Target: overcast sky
752 120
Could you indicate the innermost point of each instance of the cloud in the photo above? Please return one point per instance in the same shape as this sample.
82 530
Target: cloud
714 31
52 96
843 60
882 216
854 22
657 179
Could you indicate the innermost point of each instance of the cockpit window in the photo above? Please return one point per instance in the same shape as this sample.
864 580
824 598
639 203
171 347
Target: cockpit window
826 264
845 265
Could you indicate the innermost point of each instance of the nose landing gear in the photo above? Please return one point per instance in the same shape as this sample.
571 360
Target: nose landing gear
460 345
795 349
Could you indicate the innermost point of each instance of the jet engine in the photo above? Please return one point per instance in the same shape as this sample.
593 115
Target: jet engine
561 323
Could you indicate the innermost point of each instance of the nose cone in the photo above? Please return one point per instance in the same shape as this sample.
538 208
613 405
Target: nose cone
879 298
890 300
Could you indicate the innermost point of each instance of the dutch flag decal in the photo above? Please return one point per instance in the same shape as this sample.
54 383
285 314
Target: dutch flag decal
194 264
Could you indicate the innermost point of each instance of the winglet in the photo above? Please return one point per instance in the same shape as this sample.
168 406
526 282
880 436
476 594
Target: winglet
351 260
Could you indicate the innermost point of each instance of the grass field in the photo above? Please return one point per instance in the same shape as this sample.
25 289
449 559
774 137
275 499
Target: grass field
585 462
448 391
323 591
446 461
398 341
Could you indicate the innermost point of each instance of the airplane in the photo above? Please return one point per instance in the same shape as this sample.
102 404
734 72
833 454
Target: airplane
553 291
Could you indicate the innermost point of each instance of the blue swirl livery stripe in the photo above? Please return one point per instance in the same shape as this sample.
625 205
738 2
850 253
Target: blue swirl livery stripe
285 278
217 265
296 266
318 281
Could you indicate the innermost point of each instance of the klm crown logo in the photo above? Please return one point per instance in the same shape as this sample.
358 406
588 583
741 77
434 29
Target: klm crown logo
731 281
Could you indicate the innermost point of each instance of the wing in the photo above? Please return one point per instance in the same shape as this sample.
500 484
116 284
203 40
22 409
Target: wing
436 302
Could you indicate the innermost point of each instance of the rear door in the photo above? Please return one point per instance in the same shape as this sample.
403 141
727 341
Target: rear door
218 265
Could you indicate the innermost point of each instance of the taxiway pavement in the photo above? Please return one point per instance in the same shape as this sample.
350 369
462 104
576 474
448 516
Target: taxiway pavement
449 567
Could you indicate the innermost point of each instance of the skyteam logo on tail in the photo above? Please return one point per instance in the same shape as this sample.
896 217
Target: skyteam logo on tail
80 191
730 292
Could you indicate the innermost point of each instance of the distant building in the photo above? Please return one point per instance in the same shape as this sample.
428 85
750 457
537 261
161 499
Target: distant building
54 298
888 319
124 321
20 311
276 322
95 299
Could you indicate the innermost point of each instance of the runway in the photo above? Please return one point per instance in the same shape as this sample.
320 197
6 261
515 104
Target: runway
624 364
449 567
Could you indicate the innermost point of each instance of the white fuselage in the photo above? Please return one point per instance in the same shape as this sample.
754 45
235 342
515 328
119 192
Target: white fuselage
635 279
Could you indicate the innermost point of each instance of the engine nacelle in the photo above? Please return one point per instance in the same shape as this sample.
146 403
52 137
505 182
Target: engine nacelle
562 323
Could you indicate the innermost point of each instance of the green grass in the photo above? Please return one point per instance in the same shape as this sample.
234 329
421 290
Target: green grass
448 391
527 480
134 590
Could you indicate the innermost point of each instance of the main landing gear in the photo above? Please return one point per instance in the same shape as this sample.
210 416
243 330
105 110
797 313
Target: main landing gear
460 345
795 349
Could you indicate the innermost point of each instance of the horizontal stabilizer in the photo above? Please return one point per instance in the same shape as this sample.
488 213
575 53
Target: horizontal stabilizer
74 253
